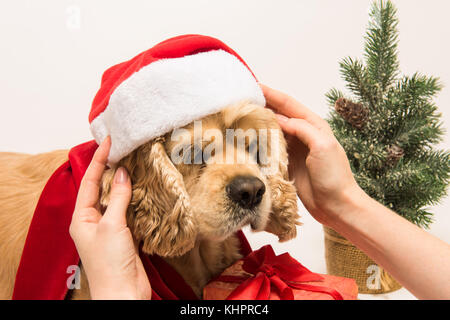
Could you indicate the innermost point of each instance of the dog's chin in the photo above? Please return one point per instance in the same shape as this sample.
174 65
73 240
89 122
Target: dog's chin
258 225
256 219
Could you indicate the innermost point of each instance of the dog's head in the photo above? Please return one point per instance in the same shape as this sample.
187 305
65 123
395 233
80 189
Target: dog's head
209 179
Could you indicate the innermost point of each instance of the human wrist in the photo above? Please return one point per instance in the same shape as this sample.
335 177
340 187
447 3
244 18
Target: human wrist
112 289
345 211
113 293
108 295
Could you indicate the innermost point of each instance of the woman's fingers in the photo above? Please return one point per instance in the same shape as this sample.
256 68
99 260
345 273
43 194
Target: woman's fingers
288 106
119 200
90 184
300 128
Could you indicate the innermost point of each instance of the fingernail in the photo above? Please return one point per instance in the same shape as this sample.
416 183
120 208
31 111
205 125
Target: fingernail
282 118
121 176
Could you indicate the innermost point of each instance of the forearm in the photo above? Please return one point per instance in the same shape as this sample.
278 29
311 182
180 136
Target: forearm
418 260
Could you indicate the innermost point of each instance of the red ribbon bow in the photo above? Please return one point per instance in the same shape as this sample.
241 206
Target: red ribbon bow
270 271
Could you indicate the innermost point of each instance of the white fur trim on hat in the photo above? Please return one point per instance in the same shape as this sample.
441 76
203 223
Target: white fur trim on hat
171 93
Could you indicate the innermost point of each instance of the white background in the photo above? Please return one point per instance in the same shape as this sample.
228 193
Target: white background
53 53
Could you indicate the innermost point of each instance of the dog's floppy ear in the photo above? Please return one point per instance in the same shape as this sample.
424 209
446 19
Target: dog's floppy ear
284 216
159 214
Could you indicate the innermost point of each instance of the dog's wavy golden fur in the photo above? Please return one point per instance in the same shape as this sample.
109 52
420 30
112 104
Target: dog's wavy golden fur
178 211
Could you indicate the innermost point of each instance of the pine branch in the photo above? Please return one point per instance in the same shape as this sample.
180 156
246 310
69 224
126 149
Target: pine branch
411 118
418 86
414 135
355 75
438 164
417 183
381 45
370 186
421 217
333 95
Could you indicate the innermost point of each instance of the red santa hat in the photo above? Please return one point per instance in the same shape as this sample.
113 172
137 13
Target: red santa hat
166 87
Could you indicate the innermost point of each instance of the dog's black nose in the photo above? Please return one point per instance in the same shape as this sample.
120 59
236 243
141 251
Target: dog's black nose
247 191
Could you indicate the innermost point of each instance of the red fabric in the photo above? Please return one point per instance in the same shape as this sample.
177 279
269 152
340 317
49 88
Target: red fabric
49 249
176 47
281 273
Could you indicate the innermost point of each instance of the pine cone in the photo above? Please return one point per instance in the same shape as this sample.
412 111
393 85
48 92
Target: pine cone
394 154
354 113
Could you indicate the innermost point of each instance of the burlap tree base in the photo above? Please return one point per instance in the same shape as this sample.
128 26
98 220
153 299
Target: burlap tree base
345 260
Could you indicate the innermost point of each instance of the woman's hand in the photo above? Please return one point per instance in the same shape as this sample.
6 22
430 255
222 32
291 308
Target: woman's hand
317 162
105 244
326 186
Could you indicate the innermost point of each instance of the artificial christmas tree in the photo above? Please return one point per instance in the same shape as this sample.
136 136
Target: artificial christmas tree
387 126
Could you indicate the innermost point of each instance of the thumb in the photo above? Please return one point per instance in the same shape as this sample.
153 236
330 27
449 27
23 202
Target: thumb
119 198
